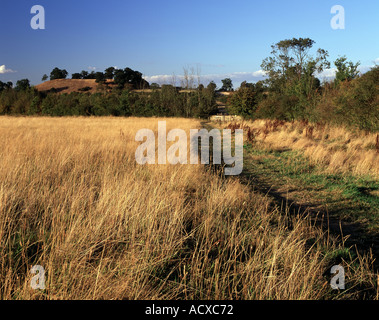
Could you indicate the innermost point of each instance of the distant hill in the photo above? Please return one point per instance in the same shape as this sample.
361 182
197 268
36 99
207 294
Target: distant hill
91 86
71 85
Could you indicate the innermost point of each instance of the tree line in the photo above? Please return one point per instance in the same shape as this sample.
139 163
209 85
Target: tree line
167 101
292 90
121 77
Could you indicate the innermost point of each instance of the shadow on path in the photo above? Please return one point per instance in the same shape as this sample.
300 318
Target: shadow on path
352 233
356 234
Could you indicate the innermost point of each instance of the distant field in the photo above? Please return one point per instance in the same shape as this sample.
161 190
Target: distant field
77 85
69 85
73 200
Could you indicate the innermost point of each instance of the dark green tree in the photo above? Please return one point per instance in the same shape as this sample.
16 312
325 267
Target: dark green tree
84 74
22 85
120 78
58 74
91 75
227 85
100 77
207 102
155 86
245 84
109 73
76 76
290 60
212 86
131 78
244 101
292 71
5 85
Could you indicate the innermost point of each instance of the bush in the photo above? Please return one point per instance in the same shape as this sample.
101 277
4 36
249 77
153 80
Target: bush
243 102
167 102
85 89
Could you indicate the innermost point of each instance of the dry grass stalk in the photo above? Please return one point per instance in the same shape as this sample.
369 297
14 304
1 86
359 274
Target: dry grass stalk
73 200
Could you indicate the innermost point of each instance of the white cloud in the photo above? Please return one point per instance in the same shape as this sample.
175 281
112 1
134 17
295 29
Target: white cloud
237 78
161 79
327 74
3 70
364 69
92 68
260 73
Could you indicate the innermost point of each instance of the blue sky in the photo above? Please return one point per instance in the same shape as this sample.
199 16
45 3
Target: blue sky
159 38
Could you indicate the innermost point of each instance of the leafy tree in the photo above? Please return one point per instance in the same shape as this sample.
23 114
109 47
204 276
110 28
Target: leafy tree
120 78
212 86
2 86
129 77
100 77
357 102
84 74
58 74
22 85
244 101
45 77
292 73
346 70
246 84
207 103
91 75
290 61
227 85
5 85
109 73
154 86
76 76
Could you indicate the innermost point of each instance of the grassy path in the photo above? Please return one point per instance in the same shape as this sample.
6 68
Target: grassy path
348 205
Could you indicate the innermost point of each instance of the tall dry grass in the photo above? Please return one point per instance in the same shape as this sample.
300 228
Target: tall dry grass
73 200
337 149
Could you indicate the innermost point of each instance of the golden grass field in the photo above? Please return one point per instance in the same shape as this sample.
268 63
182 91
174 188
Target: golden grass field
339 150
73 200
68 85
